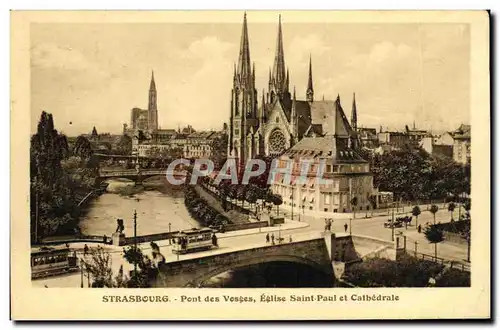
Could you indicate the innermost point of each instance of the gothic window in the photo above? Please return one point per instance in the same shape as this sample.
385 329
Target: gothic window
277 120
277 143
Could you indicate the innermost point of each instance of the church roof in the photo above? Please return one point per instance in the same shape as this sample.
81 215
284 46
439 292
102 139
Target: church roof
328 147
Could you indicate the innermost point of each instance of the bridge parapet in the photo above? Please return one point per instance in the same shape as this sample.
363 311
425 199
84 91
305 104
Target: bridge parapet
195 271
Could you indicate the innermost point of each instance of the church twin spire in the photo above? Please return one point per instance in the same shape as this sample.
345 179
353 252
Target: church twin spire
279 74
310 90
244 69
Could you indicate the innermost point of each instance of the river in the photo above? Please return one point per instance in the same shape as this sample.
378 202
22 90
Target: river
155 210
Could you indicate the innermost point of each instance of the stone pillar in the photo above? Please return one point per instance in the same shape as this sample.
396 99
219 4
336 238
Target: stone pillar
118 239
333 248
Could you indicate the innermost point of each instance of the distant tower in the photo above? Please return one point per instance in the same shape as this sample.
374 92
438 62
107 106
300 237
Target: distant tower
152 106
310 90
94 135
354 114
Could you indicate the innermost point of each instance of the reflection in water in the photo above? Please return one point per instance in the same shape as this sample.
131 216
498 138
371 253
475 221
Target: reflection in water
272 275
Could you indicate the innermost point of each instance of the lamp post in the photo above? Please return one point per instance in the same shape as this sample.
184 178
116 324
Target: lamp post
169 231
350 226
135 242
81 273
392 224
293 199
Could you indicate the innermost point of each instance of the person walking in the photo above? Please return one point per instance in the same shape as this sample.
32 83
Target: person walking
267 238
419 229
272 239
105 239
85 250
345 227
290 238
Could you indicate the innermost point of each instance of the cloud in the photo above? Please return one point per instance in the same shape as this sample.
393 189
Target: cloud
209 48
301 47
51 56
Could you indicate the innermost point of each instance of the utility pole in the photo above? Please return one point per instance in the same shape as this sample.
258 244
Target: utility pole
392 224
135 242
293 200
81 273
36 217
169 231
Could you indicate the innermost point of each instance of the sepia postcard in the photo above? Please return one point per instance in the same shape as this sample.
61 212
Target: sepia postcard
258 165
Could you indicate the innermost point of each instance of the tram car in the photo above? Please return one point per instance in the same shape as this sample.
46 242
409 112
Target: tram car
52 261
194 240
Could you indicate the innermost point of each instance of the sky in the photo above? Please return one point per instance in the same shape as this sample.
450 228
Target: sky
93 74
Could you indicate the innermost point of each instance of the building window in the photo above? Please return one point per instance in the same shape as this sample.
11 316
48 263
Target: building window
310 207
335 210
328 168
325 209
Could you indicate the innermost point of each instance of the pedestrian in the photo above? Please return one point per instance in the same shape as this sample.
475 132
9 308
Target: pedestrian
345 227
272 239
290 237
105 239
267 238
419 229
85 250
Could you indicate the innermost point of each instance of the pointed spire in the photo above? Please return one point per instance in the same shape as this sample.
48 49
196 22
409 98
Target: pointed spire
287 81
244 69
354 114
310 90
152 85
279 61
253 73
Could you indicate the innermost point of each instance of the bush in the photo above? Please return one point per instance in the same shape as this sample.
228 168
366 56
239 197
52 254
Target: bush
454 278
405 272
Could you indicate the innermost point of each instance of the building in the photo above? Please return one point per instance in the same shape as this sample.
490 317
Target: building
194 145
461 144
280 120
368 137
349 173
438 145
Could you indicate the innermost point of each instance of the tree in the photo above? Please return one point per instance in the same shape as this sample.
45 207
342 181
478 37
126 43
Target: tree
251 194
277 200
434 209
99 267
124 145
373 202
146 273
354 203
416 212
451 208
434 235
219 150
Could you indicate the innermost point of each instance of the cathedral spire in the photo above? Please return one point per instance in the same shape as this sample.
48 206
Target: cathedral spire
287 81
354 114
244 68
310 90
279 62
152 85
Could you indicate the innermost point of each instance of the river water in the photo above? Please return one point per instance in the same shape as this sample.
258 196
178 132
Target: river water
155 210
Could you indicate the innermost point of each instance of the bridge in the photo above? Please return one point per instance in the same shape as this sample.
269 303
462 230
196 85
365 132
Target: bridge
138 175
317 250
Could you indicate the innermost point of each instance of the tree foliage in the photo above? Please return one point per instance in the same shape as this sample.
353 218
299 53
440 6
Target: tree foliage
404 272
414 175
59 180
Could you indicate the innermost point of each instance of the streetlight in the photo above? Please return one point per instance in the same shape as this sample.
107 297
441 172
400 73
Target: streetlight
169 232
392 223
81 272
135 242
350 226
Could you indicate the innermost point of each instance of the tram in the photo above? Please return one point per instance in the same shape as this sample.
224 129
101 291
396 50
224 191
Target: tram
52 261
194 240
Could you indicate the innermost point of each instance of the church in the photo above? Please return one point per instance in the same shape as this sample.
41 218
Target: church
280 120
145 119
294 131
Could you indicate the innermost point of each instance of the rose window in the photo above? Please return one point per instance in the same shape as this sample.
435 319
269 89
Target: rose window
277 143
